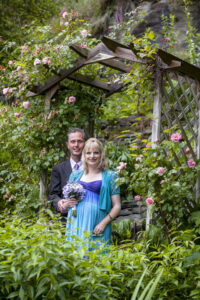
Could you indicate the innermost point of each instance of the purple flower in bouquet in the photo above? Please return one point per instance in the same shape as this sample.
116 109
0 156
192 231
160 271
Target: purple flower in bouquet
74 190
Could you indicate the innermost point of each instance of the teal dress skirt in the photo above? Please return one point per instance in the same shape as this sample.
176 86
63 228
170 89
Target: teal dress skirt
88 216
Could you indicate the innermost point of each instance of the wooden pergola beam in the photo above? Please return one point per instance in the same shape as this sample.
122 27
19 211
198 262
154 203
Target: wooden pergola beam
52 81
122 51
185 68
117 65
109 62
91 82
79 50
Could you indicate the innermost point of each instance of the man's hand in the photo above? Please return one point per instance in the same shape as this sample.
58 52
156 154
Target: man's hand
64 204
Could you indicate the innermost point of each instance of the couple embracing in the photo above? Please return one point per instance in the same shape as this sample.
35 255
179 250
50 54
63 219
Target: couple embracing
101 202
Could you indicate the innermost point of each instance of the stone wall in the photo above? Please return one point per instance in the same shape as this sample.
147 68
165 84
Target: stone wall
151 13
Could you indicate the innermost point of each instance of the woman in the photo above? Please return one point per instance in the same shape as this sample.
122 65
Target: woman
101 203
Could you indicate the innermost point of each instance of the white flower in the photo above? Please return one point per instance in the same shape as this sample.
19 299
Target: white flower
84 33
37 62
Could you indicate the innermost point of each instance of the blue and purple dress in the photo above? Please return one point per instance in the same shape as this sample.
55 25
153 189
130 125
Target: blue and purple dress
88 216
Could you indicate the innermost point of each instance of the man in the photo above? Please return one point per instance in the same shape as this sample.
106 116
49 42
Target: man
61 172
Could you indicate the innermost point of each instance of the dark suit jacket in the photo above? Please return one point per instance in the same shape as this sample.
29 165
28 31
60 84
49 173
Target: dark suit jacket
59 177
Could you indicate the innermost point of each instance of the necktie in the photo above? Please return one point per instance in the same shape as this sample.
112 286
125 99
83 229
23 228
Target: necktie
76 167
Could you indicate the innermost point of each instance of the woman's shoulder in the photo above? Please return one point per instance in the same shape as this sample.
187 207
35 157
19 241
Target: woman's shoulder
76 173
109 173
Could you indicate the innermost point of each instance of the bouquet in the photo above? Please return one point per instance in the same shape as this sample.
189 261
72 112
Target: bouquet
76 191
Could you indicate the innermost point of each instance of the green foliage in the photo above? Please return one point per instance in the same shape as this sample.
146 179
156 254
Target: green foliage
115 154
122 231
16 14
37 263
35 140
149 289
172 189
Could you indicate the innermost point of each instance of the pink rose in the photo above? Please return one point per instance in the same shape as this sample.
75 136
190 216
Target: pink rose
24 48
116 80
191 163
148 146
26 78
160 170
164 180
187 151
149 201
26 104
19 68
136 165
37 62
49 62
45 60
17 115
134 147
137 198
83 45
139 158
121 166
84 33
176 137
6 91
72 99
65 14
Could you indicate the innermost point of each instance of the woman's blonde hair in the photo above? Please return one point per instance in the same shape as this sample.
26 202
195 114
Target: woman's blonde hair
94 143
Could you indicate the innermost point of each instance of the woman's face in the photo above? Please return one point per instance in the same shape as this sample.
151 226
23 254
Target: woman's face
92 157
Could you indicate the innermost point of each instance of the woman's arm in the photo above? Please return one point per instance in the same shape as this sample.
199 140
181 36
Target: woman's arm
116 207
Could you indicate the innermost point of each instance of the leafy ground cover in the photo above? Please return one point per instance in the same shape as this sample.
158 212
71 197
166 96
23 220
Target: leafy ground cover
36 263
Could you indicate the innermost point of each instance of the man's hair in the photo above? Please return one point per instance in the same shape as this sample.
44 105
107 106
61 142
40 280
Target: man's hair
73 130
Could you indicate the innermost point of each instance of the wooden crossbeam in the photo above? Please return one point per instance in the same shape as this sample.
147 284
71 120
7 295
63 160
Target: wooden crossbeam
109 62
117 65
185 68
79 50
52 81
98 58
115 89
100 48
112 45
174 64
90 81
122 51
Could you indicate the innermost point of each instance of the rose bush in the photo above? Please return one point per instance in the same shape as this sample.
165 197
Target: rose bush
29 133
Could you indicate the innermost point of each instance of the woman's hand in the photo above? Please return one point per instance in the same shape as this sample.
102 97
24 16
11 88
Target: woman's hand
99 229
64 204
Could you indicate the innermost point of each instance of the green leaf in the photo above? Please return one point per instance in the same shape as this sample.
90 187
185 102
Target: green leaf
134 296
151 291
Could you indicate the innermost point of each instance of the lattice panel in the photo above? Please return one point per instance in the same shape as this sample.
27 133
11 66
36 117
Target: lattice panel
180 111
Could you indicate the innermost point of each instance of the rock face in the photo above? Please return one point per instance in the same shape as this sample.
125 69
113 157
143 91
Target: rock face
150 13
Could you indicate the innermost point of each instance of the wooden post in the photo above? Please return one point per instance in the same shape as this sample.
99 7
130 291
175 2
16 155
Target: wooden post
44 173
198 142
156 122
157 104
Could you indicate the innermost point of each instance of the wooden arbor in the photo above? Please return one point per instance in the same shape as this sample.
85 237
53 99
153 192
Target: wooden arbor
176 82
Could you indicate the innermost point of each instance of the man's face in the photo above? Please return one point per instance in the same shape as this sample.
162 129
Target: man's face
75 145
